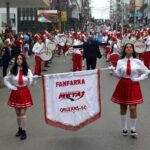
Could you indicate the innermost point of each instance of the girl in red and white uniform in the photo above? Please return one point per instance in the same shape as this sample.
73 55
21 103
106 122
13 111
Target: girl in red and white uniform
38 46
46 43
106 48
147 52
18 80
77 56
128 92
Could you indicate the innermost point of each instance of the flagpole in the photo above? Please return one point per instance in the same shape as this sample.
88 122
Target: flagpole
101 69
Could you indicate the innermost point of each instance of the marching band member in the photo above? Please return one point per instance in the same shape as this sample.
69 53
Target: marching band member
51 41
66 47
147 53
140 38
56 40
128 92
133 36
60 41
46 42
115 54
38 46
105 40
91 52
77 56
17 80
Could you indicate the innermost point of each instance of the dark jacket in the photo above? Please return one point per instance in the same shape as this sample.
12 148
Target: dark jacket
91 49
7 54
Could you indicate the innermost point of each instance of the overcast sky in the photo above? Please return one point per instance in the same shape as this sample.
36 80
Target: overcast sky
100 9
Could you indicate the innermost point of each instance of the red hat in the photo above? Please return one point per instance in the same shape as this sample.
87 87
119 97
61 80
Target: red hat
118 34
36 37
75 35
148 31
138 33
113 39
43 36
45 32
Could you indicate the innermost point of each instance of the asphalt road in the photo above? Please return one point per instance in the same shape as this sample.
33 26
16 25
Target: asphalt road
103 134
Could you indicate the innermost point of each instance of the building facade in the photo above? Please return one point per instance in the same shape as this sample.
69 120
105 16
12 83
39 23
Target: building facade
13 19
28 21
145 9
120 13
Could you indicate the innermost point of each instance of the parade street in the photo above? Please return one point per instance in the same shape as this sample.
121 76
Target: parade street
103 134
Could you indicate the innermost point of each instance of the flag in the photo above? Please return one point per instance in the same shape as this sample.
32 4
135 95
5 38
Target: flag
72 100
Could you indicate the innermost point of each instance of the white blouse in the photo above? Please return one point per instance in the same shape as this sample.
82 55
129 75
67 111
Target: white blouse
37 47
138 70
11 81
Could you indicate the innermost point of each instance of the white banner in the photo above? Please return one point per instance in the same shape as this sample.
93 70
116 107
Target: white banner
72 100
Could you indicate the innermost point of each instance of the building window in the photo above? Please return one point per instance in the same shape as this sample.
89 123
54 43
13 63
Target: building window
21 14
33 14
4 20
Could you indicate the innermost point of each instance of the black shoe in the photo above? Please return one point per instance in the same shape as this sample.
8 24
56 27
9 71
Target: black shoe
47 66
19 132
44 70
23 135
133 133
124 132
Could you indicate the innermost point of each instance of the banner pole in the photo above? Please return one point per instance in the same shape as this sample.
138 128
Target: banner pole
101 69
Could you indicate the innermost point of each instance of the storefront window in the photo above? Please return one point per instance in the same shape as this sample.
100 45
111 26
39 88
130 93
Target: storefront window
4 20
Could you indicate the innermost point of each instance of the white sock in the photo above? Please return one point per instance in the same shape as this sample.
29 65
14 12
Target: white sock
19 121
23 122
133 124
123 122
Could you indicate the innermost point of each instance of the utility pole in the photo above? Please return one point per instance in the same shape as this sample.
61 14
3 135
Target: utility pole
68 15
59 9
134 13
122 16
8 13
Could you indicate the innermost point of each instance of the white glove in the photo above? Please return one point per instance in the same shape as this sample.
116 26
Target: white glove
140 78
13 88
136 79
111 68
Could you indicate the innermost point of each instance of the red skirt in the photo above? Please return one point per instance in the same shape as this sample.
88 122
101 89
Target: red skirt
147 59
20 98
127 92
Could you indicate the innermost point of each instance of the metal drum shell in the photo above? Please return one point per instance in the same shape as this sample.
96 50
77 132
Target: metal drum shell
45 55
140 46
